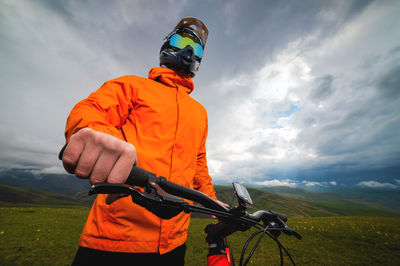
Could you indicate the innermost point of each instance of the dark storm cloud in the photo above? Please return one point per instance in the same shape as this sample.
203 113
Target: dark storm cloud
54 53
323 88
390 83
251 34
345 121
370 124
252 31
294 89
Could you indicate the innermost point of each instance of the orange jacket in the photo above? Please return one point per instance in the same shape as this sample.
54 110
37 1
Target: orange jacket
169 130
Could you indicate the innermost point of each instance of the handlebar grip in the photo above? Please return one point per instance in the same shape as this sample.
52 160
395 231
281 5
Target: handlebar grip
190 194
60 155
282 216
267 216
139 177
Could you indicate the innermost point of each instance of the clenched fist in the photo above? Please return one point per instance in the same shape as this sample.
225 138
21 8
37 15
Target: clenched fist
99 157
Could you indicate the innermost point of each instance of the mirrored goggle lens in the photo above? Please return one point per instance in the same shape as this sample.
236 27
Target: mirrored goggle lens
180 42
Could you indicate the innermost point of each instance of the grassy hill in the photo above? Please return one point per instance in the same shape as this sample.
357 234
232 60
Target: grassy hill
57 183
386 198
50 237
17 196
374 197
311 204
308 204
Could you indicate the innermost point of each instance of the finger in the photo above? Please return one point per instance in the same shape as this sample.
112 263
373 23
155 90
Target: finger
222 203
114 197
72 154
87 160
123 166
103 166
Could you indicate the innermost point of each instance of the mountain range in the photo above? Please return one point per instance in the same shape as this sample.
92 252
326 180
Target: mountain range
24 186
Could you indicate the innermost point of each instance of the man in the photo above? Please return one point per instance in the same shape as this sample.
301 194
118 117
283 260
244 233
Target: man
151 122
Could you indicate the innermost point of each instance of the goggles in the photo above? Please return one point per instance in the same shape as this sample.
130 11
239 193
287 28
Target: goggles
180 41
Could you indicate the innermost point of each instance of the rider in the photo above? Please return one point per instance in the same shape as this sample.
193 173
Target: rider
151 122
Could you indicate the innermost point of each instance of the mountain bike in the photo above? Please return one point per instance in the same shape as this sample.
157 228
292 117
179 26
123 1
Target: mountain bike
166 200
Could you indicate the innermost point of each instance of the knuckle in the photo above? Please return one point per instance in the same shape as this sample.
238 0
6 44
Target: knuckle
86 130
114 180
129 150
83 133
68 160
96 179
81 173
99 139
81 136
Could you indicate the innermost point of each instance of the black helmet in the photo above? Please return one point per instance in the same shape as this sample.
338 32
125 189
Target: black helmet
182 49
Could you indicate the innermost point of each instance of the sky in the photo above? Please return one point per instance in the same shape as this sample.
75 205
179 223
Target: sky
298 93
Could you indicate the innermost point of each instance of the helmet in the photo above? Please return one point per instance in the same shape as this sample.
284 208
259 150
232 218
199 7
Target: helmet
182 49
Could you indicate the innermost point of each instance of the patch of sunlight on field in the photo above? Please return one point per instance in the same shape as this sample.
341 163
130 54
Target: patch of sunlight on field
40 236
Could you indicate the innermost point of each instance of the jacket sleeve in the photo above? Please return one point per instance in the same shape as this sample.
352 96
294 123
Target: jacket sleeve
202 180
105 110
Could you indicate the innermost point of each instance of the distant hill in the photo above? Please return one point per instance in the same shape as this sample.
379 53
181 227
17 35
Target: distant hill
17 196
57 183
388 199
303 206
291 201
292 206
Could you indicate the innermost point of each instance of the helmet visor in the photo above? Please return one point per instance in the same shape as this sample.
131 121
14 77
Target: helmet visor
182 40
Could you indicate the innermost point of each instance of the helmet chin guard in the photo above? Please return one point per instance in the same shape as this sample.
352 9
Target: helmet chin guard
182 60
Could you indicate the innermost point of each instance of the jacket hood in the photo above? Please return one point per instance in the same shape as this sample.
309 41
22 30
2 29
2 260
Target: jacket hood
171 78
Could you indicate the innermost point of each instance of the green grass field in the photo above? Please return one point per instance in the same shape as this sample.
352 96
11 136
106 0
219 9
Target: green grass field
39 236
48 236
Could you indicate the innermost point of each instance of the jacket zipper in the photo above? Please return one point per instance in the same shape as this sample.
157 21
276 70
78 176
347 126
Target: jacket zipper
172 155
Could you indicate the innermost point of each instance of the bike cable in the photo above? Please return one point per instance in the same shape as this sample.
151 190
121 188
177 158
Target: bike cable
262 232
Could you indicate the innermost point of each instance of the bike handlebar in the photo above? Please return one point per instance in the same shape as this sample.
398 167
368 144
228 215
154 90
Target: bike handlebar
141 177
267 216
159 205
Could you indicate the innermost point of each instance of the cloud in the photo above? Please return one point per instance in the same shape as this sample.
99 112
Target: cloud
332 83
293 183
389 83
276 182
49 170
316 94
311 183
375 184
323 88
318 184
55 53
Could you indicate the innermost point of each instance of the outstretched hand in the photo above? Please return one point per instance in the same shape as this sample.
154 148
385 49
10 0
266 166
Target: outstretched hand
98 157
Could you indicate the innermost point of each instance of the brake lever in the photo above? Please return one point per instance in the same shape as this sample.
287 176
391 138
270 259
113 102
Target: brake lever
157 202
289 231
286 229
108 188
